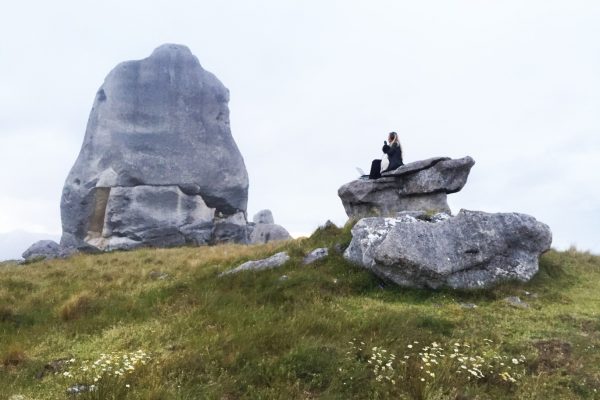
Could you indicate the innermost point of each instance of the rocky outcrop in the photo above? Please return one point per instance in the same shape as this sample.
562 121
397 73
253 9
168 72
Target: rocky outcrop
263 217
46 249
274 261
264 229
471 250
418 186
158 165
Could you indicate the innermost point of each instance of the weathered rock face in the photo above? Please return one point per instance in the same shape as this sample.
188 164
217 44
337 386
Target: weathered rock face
471 250
418 186
158 161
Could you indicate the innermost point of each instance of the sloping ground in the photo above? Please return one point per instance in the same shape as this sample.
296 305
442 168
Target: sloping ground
261 336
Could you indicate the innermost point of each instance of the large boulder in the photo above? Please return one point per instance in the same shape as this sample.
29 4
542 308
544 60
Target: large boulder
418 186
158 161
473 249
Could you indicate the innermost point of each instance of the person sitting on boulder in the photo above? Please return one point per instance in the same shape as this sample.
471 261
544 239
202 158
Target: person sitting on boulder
393 150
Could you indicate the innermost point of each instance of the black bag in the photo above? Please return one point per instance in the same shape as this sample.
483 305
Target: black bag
375 169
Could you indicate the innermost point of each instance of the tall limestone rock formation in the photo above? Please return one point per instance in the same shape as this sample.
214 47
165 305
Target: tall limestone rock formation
158 165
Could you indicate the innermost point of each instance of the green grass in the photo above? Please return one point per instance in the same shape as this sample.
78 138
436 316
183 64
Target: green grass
255 336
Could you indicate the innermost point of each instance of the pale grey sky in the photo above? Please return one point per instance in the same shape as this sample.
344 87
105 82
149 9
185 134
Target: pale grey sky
316 85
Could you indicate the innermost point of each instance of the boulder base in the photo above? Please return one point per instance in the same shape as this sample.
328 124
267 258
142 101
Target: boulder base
471 250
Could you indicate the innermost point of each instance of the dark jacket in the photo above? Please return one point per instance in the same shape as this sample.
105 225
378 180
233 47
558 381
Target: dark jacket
394 153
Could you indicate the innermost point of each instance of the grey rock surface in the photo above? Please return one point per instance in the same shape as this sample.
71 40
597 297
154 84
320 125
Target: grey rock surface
161 123
418 186
46 249
230 229
315 255
274 261
263 217
471 250
152 216
264 233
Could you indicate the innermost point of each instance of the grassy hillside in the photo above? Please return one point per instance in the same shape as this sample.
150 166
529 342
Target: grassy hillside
177 331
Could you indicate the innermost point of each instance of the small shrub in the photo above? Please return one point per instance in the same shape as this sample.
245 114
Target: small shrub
76 306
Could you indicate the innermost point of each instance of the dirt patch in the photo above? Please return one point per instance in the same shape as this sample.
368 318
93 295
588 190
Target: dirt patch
553 354
53 367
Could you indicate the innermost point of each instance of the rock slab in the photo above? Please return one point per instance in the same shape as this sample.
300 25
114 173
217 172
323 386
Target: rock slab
315 255
157 160
418 186
470 250
274 261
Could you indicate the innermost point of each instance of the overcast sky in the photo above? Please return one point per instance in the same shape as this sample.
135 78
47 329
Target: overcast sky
315 87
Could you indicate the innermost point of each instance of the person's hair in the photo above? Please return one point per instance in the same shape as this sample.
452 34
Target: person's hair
395 138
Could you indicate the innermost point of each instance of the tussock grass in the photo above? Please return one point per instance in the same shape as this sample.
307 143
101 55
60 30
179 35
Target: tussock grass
76 306
256 336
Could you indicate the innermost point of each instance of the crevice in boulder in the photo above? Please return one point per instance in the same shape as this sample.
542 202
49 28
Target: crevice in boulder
96 222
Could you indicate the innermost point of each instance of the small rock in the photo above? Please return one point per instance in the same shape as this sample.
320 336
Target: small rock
274 261
335 280
468 305
173 347
339 248
283 278
529 294
158 275
80 388
515 301
315 255
329 224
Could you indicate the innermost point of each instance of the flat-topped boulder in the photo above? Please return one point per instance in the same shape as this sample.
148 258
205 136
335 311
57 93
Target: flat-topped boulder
158 165
418 186
473 249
